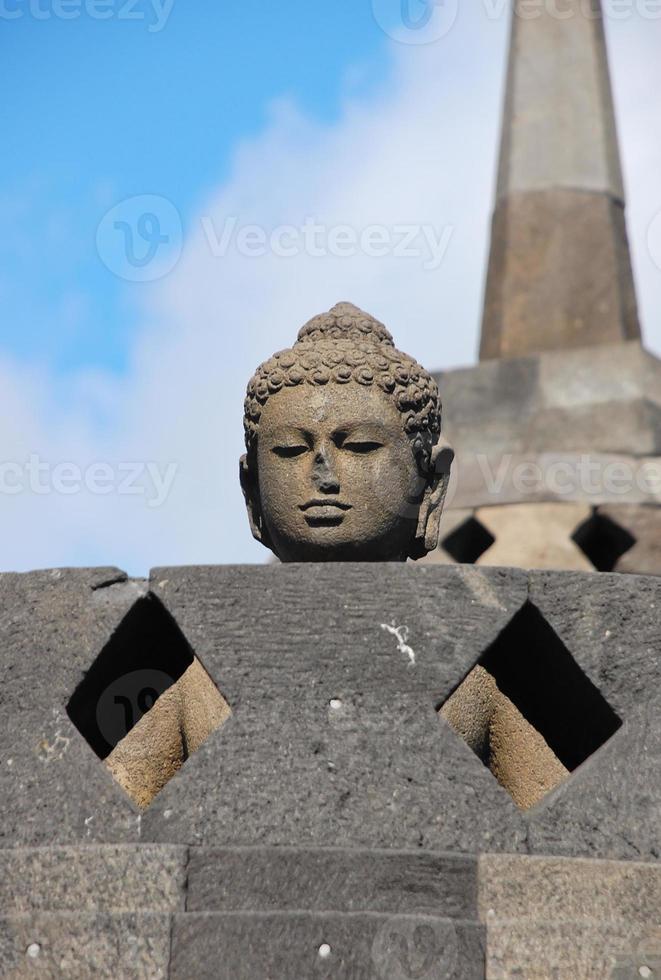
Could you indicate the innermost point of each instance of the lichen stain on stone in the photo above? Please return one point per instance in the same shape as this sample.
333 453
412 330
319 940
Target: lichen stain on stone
402 634
53 750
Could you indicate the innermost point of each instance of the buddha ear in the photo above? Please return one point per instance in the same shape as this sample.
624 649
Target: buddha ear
429 515
250 488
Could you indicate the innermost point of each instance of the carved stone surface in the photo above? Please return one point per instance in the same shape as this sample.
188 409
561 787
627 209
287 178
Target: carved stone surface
334 738
105 946
343 457
601 400
566 950
643 524
53 788
560 272
93 878
290 945
302 912
555 917
541 441
612 802
278 879
518 888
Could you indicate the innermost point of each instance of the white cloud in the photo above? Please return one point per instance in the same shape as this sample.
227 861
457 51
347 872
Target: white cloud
420 151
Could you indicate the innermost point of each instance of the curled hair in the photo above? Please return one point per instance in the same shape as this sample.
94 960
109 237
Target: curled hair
347 346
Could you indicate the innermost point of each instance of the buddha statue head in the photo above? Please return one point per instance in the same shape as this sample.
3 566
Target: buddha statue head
344 460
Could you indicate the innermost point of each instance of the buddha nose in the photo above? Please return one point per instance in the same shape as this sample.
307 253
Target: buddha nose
323 473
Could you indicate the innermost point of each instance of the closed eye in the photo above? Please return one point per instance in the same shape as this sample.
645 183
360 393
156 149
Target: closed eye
362 447
289 451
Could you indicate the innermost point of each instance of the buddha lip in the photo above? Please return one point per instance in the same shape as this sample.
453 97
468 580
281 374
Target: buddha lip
325 503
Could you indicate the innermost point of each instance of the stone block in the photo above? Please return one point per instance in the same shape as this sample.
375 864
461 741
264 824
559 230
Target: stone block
609 807
534 535
597 400
594 479
334 738
292 946
332 879
334 674
593 376
540 949
644 524
92 878
559 112
516 888
484 406
631 428
53 788
83 946
559 274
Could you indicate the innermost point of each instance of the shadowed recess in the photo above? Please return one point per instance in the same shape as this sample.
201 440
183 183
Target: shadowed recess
468 542
536 671
144 657
603 541
147 703
528 711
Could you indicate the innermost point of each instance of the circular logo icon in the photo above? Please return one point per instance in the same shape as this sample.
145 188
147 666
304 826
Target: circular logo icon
415 948
654 240
141 238
127 699
415 21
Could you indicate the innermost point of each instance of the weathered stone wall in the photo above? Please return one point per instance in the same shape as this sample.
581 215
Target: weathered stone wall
162 911
558 461
334 675
332 825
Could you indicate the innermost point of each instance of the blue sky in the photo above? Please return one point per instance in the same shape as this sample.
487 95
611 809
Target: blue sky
104 109
232 117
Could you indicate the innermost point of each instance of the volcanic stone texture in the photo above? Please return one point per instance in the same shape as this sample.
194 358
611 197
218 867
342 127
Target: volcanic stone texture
158 911
574 537
602 401
53 788
560 272
294 945
560 918
155 911
334 737
300 912
643 524
543 440
334 675
94 911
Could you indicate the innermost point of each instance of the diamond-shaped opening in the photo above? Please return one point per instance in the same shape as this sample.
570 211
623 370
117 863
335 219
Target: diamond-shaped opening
146 704
603 541
468 541
528 711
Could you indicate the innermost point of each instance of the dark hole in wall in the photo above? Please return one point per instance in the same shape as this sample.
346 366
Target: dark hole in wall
467 542
603 541
145 656
534 669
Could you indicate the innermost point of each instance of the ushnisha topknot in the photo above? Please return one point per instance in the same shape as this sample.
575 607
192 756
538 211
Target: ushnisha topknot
348 346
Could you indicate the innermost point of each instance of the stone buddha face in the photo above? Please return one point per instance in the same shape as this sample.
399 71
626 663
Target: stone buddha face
343 457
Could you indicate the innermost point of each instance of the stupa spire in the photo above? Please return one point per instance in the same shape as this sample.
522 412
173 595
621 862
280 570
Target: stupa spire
560 271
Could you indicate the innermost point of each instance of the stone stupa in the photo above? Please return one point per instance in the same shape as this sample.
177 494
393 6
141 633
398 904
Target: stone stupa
558 429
